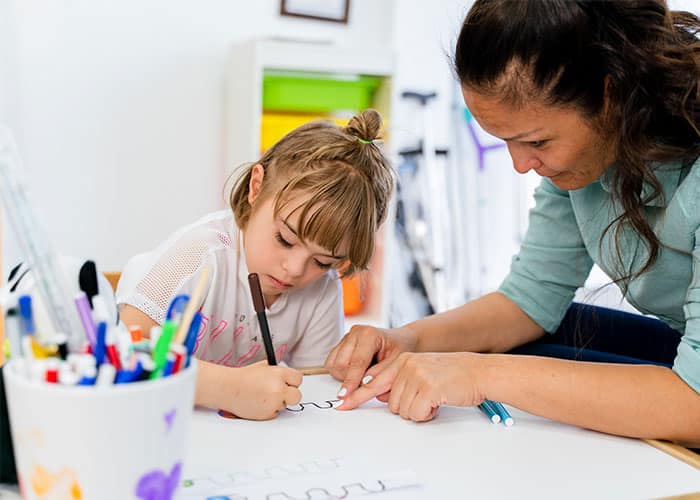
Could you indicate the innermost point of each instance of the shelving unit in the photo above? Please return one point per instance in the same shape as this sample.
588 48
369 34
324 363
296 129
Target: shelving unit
256 65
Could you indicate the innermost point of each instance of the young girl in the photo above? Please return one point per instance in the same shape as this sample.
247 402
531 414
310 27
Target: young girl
308 208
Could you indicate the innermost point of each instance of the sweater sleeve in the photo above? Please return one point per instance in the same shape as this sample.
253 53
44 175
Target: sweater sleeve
552 262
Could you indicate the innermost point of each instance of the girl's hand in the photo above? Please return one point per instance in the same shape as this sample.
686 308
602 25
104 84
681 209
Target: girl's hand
416 385
255 392
350 359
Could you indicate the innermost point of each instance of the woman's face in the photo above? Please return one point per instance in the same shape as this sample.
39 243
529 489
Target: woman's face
556 142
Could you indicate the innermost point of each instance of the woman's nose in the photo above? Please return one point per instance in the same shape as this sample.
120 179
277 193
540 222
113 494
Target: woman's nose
523 160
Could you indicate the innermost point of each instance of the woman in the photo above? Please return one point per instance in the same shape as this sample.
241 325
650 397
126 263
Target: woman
601 100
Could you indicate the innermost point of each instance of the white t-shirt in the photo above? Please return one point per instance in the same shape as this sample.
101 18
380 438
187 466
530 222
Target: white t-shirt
305 323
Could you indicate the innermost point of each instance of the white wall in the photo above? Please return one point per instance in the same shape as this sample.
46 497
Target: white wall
8 109
424 35
493 211
120 108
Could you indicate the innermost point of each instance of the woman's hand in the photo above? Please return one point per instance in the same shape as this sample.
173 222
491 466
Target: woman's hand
255 392
416 385
350 360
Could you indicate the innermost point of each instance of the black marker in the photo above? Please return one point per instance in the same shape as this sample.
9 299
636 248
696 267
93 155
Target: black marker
259 305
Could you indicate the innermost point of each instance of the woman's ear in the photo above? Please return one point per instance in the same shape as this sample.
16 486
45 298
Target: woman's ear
257 174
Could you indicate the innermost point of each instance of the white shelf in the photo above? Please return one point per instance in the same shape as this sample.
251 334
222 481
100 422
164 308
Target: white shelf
326 58
249 61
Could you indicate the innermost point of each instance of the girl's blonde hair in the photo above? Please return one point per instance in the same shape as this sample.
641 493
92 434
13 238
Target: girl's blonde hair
344 174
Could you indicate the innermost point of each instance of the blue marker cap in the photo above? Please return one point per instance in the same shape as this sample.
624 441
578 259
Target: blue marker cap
88 376
123 377
503 413
100 343
169 365
128 376
489 411
177 306
25 312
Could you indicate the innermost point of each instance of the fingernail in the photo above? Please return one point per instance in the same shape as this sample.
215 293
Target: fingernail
367 379
341 404
342 392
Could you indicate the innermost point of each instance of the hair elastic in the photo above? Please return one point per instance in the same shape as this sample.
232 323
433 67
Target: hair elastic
364 141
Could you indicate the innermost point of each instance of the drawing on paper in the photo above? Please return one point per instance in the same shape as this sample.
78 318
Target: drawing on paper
266 473
332 478
324 405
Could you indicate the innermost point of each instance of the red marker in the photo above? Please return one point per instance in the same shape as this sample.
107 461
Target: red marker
112 353
51 373
179 351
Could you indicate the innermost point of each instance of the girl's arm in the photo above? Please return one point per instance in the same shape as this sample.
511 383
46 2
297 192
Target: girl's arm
254 392
131 316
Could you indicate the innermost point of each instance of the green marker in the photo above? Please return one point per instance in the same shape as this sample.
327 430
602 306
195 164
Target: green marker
160 351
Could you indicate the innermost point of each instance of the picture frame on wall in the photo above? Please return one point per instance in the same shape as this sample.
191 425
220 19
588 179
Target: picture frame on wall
322 10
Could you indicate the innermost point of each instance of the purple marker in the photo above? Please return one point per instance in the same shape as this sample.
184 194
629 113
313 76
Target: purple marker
85 312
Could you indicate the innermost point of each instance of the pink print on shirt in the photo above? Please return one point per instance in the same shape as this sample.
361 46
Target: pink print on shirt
237 332
223 360
228 359
247 356
212 336
281 351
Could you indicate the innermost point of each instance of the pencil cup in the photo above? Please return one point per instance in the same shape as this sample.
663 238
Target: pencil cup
124 441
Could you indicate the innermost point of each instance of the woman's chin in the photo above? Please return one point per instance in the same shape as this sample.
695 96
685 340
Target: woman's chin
568 183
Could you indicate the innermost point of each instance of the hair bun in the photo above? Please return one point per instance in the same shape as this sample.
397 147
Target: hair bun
366 125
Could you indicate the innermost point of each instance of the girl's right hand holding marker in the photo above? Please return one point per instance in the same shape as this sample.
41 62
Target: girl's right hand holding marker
255 392
351 360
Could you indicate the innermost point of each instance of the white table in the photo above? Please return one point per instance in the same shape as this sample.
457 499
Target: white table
460 454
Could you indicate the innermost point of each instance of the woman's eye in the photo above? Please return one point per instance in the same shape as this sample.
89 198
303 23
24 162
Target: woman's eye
537 144
282 241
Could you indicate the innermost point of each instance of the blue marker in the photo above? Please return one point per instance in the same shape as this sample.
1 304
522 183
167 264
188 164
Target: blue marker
489 411
122 377
177 307
169 365
25 312
89 375
100 343
191 338
128 376
503 413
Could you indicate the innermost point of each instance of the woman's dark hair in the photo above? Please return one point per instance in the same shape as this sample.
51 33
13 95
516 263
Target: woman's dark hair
644 58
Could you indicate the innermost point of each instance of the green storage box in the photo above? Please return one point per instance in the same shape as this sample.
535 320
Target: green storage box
317 92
